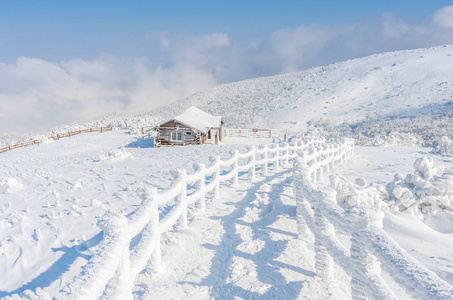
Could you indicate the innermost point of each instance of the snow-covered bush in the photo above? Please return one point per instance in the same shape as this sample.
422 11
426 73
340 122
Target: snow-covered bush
428 190
444 147
350 194
424 130
396 138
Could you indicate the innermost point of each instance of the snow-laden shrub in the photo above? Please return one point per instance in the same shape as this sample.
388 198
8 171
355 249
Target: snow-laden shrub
427 191
350 194
444 147
421 130
396 138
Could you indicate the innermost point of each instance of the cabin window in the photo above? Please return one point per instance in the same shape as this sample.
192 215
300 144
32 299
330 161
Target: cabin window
188 132
176 136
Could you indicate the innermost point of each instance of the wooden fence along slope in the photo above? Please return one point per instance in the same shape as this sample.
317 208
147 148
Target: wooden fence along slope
55 137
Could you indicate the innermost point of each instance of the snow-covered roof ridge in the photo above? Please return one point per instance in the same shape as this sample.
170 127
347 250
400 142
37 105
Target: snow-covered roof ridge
195 118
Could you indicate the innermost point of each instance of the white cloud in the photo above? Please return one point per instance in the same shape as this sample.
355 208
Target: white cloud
313 45
36 94
392 27
444 17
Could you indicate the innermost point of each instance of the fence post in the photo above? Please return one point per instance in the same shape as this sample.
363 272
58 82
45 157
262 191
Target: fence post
265 166
286 154
154 264
302 207
367 269
235 169
331 157
324 263
253 168
305 155
319 171
277 155
201 187
183 198
123 289
358 256
217 178
325 158
336 160
117 283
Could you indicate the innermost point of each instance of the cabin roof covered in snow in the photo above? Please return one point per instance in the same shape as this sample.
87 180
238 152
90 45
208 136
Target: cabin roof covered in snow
195 118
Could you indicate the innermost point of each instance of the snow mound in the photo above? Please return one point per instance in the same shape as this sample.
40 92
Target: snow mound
10 185
441 222
116 155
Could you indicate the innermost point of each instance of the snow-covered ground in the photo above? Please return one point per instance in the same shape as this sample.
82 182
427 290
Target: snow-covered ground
52 195
245 245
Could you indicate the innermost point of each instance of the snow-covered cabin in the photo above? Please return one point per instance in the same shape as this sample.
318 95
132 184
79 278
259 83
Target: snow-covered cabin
191 127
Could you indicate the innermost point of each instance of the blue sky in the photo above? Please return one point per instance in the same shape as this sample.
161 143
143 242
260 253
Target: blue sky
61 30
65 60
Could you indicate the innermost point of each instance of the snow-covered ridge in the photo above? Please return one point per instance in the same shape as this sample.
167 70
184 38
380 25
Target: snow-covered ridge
388 85
358 93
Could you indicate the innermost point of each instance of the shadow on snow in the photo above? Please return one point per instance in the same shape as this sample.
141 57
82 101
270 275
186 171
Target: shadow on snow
70 254
267 268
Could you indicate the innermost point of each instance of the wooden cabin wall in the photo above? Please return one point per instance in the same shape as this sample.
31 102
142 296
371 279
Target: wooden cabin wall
196 137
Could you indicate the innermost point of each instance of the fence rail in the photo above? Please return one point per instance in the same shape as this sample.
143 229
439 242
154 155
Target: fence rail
114 267
55 137
371 248
255 133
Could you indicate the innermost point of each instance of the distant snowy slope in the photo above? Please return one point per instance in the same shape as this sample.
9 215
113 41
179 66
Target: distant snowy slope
401 83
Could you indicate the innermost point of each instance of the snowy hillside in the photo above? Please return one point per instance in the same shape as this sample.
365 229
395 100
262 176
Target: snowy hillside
411 90
384 86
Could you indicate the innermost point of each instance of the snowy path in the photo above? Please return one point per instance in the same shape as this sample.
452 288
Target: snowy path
244 246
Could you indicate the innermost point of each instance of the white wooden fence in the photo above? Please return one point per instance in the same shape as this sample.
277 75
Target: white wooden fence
255 133
371 248
112 270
